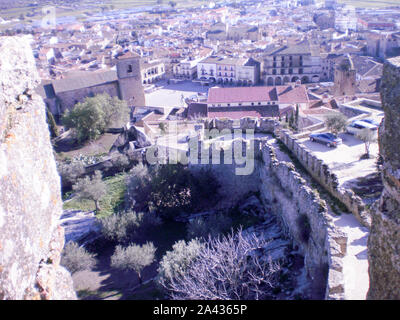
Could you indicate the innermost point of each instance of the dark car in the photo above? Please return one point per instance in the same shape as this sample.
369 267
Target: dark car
329 139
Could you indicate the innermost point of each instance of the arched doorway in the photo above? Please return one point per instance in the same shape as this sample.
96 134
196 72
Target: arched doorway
305 80
278 81
315 78
294 79
286 80
270 81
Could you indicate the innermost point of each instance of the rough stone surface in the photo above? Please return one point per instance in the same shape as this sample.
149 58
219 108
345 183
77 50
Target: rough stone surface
30 199
384 241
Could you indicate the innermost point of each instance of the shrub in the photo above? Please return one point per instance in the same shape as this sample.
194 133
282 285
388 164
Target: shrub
134 258
70 171
75 258
227 268
126 226
175 263
213 225
169 189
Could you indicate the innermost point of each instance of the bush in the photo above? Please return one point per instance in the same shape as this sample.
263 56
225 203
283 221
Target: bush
169 189
75 258
134 258
127 226
175 262
232 267
213 225
70 171
91 118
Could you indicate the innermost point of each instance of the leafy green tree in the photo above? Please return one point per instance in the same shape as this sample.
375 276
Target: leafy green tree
336 123
213 225
134 257
91 118
93 189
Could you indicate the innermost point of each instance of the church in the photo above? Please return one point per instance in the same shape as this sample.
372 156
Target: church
125 83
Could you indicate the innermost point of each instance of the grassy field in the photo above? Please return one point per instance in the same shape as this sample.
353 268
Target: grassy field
110 204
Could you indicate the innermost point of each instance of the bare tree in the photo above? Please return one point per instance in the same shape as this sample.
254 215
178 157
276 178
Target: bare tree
91 189
232 267
368 137
134 257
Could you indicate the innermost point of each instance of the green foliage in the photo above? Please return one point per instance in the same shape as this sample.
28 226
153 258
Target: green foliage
213 225
175 262
91 189
134 258
127 225
75 258
336 123
52 124
169 189
91 118
70 170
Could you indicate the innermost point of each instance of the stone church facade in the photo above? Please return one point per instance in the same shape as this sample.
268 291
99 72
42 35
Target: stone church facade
125 83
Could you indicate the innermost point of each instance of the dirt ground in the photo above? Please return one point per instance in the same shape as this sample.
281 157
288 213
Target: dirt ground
105 283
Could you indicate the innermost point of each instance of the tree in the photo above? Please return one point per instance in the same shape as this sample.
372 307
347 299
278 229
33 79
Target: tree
336 123
91 189
75 258
127 225
134 258
175 263
70 171
91 118
368 137
52 124
213 225
232 267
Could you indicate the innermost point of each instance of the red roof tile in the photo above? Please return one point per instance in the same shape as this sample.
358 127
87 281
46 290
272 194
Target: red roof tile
282 94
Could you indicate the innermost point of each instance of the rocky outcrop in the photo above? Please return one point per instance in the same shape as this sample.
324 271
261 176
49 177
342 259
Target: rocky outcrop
384 241
31 240
131 139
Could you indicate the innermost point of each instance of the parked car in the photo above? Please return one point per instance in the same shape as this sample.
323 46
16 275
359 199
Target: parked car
329 139
357 126
372 121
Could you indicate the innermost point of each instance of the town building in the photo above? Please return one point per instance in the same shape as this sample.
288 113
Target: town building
236 103
224 70
286 64
125 83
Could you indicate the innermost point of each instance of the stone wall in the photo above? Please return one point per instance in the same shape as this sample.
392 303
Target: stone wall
307 222
68 99
31 240
384 240
328 179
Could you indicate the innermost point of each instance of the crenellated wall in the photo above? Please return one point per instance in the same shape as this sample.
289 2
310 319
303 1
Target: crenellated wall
384 240
328 179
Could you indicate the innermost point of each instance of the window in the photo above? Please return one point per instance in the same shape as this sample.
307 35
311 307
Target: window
301 71
282 71
130 69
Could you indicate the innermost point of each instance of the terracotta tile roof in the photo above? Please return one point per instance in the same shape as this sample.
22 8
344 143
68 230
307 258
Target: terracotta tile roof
282 94
236 113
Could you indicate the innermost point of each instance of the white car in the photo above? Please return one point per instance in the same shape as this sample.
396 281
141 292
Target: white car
357 126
